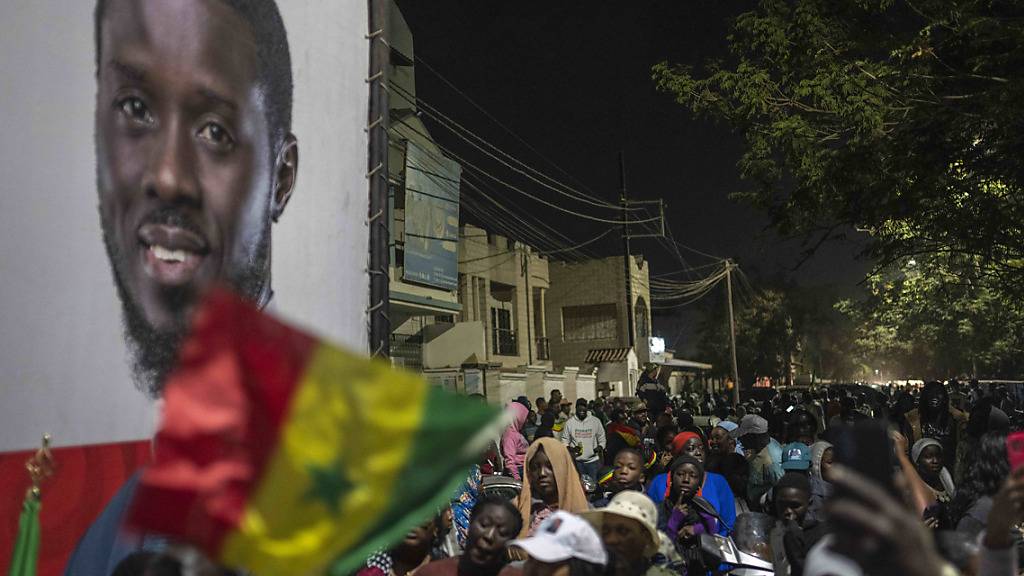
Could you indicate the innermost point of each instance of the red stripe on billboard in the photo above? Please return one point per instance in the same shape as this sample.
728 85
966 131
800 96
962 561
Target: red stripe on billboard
86 477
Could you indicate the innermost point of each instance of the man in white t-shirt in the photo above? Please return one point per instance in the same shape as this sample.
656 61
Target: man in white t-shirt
584 435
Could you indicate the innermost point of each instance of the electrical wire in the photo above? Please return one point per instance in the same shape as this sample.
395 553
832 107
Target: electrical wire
524 169
581 245
508 130
537 237
465 163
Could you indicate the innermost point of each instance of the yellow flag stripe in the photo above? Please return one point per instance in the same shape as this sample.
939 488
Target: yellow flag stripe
357 428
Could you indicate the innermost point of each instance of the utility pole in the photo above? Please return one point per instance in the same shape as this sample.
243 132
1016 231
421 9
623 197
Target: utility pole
377 174
529 316
732 334
628 272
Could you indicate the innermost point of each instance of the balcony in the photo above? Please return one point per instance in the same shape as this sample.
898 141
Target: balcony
407 350
503 342
543 349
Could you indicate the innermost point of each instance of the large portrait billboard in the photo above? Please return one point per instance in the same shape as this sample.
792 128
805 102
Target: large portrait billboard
149 153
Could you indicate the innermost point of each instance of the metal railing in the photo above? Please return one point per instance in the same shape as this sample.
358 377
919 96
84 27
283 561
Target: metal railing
409 348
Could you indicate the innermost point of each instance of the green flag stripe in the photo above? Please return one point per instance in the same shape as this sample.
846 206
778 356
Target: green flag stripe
436 467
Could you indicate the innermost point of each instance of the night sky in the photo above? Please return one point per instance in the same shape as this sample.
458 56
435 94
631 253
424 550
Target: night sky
573 79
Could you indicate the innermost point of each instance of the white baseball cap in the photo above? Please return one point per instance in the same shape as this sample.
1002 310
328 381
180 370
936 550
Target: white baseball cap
563 536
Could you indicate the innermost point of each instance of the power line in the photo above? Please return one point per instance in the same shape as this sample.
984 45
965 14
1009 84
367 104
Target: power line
535 236
454 127
522 141
581 245
465 163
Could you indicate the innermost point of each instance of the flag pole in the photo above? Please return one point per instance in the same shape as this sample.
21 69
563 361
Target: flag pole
25 557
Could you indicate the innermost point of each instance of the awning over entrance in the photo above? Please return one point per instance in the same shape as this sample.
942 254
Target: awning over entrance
599 355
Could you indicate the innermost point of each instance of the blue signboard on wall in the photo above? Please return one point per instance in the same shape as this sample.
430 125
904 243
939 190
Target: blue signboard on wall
431 218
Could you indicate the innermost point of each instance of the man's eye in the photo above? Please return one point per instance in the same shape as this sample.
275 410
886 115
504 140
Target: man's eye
136 110
216 134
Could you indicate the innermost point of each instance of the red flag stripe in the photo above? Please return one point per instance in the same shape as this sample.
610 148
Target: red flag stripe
236 364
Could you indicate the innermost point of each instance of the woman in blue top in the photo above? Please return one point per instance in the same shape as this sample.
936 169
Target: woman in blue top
715 489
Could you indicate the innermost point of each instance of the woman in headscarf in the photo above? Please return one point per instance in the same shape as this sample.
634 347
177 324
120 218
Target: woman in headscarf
550 483
927 458
513 443
714 489
822 456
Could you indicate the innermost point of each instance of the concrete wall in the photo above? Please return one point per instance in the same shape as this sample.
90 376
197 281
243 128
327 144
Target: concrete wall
536 382
592 282
452 345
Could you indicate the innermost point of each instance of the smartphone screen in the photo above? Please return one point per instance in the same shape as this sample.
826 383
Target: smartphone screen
1015 449
866 448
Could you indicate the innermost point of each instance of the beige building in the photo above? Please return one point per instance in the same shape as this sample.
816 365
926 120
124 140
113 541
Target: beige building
503 285
586 311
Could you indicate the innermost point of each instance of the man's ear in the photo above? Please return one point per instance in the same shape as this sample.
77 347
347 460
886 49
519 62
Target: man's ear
286 171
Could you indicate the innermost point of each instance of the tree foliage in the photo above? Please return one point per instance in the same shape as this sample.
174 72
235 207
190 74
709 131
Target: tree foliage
780 331
938 316
903 119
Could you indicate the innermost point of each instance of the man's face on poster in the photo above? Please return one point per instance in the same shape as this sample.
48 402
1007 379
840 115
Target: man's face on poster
186 169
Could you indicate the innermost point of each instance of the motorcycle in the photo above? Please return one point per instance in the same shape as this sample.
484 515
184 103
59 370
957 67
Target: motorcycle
730 559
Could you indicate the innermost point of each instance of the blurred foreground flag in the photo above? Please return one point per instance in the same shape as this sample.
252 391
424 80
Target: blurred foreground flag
283 455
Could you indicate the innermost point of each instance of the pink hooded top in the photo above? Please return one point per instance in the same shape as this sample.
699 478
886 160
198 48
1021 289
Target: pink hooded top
513 444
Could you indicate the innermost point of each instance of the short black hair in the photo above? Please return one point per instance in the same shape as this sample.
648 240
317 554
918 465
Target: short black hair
496 500
274 60
794 480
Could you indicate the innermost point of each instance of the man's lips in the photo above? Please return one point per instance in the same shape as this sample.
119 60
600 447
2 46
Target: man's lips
171 255
173 238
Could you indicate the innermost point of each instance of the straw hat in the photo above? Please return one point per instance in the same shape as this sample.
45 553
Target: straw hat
635 506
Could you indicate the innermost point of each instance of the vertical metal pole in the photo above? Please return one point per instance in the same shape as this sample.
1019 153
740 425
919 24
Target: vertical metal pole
732 335
377 129
628 272
529 315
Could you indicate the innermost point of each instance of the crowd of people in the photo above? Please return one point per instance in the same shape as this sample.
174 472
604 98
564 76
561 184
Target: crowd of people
840 480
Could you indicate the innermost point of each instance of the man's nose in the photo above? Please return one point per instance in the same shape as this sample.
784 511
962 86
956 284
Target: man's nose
171 175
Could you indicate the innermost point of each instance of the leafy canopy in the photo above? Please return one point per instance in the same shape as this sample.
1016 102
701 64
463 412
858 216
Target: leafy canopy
904 120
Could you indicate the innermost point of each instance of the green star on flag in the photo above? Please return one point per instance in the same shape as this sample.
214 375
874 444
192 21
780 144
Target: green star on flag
329 484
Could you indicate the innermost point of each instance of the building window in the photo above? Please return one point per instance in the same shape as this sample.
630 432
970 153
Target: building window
642 320
503 336
594 322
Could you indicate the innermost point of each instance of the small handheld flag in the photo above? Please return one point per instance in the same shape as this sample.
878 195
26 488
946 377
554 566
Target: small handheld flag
280 454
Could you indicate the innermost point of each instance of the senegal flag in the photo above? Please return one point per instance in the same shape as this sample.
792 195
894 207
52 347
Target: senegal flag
280 454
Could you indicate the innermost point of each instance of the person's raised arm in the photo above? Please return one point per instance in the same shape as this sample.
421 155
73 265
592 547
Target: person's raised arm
922 496
878 532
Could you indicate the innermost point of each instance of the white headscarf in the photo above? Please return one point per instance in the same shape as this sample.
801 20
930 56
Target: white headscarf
944 475
817 452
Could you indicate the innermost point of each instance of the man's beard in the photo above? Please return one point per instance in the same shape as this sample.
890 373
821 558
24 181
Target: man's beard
153 352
